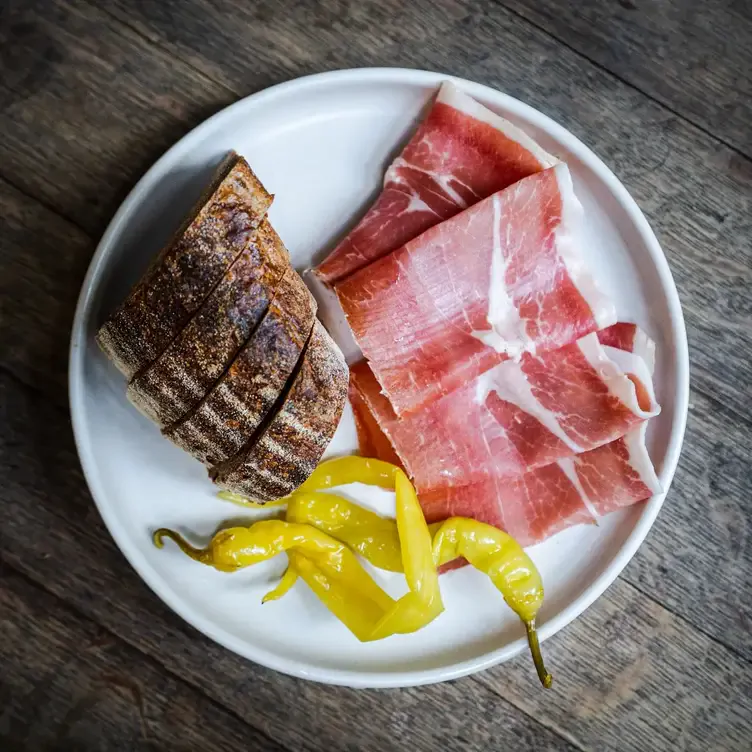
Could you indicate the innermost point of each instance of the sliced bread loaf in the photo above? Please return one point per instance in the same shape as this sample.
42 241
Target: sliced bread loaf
186 371
225 420
187 269
289 445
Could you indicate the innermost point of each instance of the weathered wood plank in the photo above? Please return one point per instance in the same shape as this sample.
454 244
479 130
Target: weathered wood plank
85 108
632 677
695 56
44 259
48 511
698 555
68 684
695 191
49 519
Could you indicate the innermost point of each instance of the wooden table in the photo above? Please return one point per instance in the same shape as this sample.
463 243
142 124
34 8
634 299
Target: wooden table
92 93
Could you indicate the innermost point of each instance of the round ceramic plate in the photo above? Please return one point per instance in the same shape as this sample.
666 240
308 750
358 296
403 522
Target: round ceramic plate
321 144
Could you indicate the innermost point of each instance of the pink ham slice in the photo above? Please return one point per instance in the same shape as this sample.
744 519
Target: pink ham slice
545 501
461 153
542 502
517 416
500 279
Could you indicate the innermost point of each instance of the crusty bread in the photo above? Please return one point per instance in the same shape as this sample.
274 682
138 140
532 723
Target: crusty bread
187 269
227 417
289 445
186 371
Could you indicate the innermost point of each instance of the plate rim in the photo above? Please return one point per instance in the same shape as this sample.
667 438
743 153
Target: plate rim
395 678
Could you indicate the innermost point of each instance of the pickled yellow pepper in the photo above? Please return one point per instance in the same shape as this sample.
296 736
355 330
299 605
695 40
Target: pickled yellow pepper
372 536
329 567
503 559
322 531
406 546
351 469
486 548
335 574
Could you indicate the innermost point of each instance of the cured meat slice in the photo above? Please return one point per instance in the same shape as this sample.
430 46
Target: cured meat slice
226 418
461 153
372 442
516 416
630 338
545 501
287 448
500 279
183 374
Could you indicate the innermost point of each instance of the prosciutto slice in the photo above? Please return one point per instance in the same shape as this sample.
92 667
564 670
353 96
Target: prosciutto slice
545 501
461 153
517 416
500 279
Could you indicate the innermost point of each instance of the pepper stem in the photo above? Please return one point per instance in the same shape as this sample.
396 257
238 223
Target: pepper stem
203 555
532 638
289 578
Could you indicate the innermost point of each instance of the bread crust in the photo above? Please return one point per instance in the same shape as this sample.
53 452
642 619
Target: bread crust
186 371
296 435
226 419
187 269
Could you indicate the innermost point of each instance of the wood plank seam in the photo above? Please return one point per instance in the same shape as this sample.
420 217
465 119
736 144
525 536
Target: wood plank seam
623 81
44 204
118 24
697 627
4 563
156 43
552 727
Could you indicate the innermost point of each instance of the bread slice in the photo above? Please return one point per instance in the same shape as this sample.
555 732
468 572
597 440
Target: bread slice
227 417
186 371
289 445
187 269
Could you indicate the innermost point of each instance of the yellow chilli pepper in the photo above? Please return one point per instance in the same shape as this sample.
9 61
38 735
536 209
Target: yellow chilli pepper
487 548
375 537
351 469
365 532
407 544
332 569
503 559
423 603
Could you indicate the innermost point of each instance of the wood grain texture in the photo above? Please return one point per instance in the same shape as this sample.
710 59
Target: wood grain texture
698 555
67 684
86 107
90 94
694 56
43 260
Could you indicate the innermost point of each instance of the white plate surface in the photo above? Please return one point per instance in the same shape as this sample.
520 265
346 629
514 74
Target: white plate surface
321 144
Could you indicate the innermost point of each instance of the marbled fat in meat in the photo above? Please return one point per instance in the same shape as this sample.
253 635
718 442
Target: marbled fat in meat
500 279
461 153
517 416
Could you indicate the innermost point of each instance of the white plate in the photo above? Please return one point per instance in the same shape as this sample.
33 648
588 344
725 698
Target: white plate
321 144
